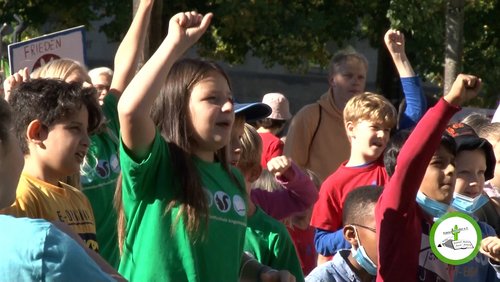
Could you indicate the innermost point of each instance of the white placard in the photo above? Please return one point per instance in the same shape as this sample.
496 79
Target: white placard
38 51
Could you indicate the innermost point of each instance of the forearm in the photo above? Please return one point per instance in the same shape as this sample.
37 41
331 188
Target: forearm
129 51
416 103
299 187
328 243
414 158
403 65
136 126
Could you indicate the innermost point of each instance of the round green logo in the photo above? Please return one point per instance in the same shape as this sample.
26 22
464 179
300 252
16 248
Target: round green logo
455 238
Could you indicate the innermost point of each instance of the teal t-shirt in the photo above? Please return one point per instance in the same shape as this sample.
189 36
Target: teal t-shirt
35 250
155 249
268 241
98 177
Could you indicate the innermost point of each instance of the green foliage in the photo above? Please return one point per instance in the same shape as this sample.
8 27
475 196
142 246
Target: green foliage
424 24
299 34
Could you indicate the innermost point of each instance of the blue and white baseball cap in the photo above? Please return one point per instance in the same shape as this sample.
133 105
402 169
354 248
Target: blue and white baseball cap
252 111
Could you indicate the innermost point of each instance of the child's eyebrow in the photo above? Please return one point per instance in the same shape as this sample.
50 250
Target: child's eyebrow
76 123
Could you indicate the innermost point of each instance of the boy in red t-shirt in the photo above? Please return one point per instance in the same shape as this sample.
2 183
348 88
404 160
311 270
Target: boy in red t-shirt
368 119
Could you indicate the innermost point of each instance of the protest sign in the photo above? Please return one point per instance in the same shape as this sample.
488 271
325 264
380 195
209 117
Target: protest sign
38 51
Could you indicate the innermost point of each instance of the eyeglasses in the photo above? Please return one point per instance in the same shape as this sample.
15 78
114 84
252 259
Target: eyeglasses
365 227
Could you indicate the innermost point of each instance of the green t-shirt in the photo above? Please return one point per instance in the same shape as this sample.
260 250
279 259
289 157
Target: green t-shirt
268 241
98 176
154 249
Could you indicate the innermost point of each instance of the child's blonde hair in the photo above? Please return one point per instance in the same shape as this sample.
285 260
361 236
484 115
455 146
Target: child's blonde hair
61 69
251 148
267 181
490 132
371 107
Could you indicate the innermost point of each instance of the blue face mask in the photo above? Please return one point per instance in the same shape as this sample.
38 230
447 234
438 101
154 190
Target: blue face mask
468 205
362 258
430 206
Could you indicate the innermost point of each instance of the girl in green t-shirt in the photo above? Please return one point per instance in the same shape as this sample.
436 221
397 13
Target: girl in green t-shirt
181 206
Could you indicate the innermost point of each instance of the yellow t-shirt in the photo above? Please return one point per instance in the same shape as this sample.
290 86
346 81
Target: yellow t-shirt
38 199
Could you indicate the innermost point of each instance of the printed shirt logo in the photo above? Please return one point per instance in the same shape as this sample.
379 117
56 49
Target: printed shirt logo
222 201
239 205
93 168
455 238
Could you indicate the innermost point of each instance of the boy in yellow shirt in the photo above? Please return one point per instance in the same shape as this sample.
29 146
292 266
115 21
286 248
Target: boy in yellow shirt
52 125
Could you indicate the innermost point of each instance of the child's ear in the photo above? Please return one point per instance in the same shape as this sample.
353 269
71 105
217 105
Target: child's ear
332 81
349 127
350 235
254 173
36 132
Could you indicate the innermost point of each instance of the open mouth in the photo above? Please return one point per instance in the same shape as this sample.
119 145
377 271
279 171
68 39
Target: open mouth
80 156
223 124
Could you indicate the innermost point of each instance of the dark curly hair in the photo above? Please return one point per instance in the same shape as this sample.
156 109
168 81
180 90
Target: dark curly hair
5 120
51 101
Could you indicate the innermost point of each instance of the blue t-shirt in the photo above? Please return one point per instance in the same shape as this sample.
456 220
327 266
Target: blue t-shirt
335 270
35 250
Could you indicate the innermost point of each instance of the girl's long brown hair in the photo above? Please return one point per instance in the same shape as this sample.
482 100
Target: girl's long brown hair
170 115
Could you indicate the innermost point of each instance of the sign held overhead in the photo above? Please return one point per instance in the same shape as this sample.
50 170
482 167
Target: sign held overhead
38 51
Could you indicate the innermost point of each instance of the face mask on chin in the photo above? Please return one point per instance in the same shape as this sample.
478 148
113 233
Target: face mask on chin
362 258
468 205
432 207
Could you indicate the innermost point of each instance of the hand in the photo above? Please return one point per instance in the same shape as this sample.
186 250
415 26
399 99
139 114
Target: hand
14 80
395 42
463 89
490 247
186 28
279 165
277 276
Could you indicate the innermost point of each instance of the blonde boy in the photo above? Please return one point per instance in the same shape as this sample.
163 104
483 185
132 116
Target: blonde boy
53 121
368 120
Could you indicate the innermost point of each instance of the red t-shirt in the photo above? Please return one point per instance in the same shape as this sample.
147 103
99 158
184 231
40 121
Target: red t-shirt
327 212
303 240
272 147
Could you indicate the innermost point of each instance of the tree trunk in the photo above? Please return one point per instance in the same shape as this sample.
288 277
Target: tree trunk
453 42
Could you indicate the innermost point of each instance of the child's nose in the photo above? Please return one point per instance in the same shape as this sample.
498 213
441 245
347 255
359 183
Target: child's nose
227 106
450 169
474 188
86 140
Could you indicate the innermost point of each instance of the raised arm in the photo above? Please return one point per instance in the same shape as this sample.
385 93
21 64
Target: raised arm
416 103
136 126
298 195
14 80
128 53
421 145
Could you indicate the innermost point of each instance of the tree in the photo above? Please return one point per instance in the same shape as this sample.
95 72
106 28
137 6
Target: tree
454 41
299 34
424 21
